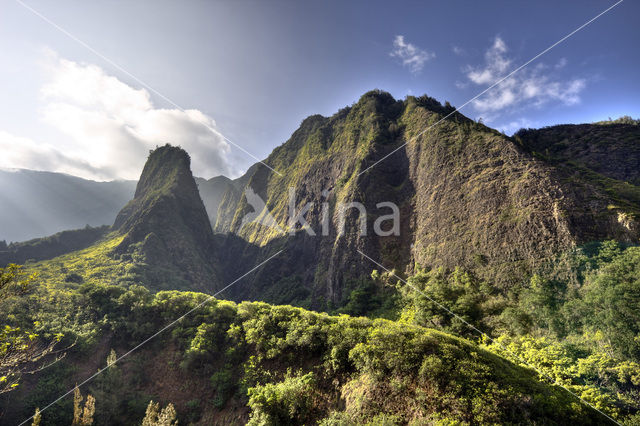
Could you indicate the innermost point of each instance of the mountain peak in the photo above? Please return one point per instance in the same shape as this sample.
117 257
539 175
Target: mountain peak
165 165
166 224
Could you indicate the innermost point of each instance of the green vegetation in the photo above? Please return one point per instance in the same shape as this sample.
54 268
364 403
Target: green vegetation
574 323
370 297
625 119
286 365
20 346
585 331
429 292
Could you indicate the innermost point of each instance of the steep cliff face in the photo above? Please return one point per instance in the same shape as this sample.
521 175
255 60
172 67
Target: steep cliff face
611 150
467 196
166 226
601 159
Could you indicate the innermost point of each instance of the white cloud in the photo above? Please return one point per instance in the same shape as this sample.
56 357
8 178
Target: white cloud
111 127
533 86
24 153
411 55
496 64
562 63
458 50
515 125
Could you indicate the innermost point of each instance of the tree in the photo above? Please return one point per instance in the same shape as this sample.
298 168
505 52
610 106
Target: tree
83 416
110 390
612 300
20 350
37 418
284 403
430 292
156 417
77 406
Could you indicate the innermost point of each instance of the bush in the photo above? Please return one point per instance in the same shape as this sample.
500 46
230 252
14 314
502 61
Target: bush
74 278
285 403
224 384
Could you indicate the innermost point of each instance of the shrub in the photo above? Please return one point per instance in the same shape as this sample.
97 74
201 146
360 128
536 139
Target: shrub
74 278
285 403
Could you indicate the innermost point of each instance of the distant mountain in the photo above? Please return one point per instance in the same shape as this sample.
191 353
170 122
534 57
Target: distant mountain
215 190
52 246
36 204
212 192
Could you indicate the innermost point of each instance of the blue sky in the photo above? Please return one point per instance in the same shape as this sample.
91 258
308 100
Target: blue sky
251 71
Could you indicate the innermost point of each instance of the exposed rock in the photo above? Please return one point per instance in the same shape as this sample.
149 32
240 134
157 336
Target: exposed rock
468 196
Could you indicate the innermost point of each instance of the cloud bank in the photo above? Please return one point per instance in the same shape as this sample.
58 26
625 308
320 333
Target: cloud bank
110 128
410 55
531 86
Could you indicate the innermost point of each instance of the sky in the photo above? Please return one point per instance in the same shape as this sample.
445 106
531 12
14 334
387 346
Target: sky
88 88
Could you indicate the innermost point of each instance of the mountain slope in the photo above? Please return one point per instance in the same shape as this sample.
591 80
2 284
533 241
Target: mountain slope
467 195
165 226
35 204
612 150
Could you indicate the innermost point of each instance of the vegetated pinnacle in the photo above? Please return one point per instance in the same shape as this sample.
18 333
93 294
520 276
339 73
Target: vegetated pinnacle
384 100
165 165
167 223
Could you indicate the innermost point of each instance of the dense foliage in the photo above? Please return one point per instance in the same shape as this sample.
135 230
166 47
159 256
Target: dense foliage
20 348
287 365
574 323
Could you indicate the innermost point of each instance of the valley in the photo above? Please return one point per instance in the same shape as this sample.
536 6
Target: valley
531 239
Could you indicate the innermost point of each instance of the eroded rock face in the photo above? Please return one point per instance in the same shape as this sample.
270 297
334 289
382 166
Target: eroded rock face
611 150
630 227
166 226
468 196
